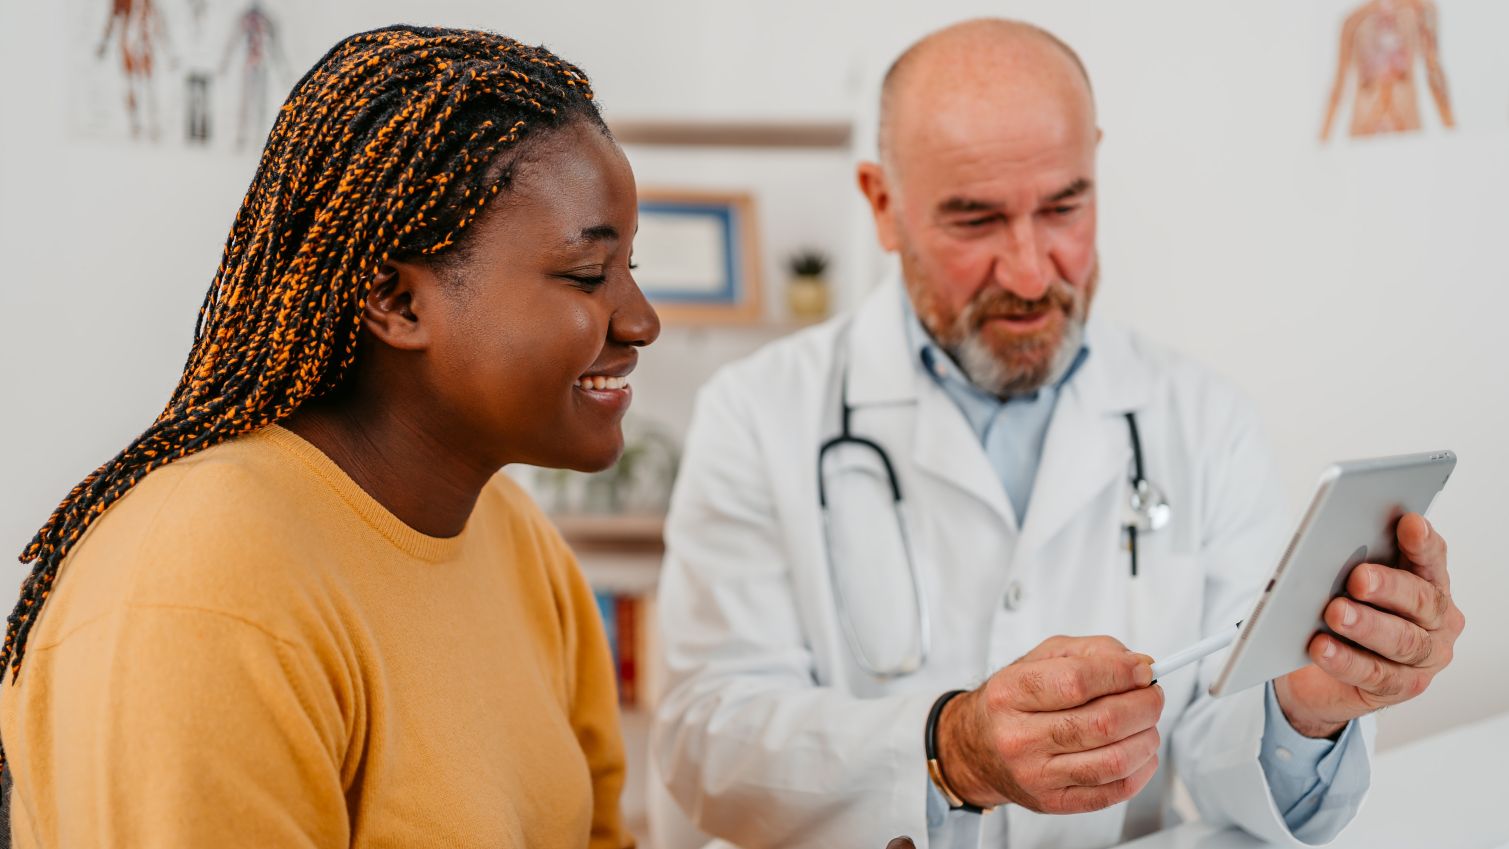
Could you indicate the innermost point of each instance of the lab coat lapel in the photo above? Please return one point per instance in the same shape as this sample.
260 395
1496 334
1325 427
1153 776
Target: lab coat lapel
1088 445
885 381
948 448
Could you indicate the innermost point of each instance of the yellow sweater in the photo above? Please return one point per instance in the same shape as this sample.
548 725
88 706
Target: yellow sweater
248 650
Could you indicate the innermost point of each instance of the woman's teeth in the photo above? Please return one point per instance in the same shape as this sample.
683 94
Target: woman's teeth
600 382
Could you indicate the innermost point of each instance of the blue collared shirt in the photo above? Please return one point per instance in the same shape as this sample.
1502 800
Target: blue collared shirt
1300 770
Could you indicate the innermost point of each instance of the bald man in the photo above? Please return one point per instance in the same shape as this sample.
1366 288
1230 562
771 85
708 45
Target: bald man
882 524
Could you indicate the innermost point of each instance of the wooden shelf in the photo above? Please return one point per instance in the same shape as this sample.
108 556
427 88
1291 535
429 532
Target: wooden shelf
631 533
791 134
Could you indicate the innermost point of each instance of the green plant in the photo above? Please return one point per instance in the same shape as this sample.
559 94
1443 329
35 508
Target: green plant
808 262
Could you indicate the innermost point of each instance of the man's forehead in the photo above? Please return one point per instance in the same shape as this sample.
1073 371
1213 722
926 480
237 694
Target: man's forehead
1037 149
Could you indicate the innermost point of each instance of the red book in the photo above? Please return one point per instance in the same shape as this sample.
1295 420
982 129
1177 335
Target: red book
628 651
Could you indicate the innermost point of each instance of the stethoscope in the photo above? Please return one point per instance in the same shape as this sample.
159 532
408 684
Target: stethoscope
1147 510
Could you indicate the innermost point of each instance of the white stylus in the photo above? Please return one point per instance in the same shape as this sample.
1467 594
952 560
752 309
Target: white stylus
1185 656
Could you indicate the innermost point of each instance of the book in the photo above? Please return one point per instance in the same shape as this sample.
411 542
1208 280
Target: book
626 614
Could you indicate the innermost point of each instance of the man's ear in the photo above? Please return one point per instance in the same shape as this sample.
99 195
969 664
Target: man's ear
395 303
872 181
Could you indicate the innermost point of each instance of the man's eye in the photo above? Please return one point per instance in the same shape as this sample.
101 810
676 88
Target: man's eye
978 222
1062 210
587 282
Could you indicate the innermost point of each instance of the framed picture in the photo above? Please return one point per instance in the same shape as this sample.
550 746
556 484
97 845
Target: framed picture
698 256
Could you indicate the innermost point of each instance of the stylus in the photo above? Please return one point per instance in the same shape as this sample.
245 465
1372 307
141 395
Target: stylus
1185 656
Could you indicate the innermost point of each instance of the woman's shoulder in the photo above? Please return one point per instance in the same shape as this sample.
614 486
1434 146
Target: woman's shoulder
242 490
530 534
505 501
226 529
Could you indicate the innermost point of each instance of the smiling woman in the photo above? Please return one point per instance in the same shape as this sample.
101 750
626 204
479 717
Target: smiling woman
303 607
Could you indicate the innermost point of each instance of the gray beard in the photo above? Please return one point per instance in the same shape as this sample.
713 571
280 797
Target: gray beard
989 374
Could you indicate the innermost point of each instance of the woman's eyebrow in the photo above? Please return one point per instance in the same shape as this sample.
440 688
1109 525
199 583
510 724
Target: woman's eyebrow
598 233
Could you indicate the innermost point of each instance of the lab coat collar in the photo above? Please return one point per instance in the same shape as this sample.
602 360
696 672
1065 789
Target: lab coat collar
1088 446
880 369
1088 432
1116 378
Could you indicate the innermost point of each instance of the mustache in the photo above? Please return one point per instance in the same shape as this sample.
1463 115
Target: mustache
995 302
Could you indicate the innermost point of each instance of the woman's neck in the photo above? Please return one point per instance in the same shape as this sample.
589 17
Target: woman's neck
413 470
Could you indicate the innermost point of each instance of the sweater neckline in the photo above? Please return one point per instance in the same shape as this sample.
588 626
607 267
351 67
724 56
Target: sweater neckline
373 513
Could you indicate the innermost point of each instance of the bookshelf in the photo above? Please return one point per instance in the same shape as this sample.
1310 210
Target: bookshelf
617 553
613 531
811 134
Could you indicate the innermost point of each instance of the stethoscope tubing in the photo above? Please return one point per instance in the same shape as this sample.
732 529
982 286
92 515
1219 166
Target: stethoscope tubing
1141 489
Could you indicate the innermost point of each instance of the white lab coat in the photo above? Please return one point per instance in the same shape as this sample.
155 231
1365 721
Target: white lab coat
770 734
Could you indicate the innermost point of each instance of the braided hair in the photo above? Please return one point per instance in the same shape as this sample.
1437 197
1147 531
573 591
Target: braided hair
386 149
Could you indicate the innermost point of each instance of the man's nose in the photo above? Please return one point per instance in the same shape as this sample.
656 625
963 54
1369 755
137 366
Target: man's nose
1022 266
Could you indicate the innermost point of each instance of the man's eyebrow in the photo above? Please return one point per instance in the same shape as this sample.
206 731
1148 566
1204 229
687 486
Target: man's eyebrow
961 206
1073 190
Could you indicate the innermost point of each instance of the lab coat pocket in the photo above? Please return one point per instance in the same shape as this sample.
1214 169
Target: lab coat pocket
1166 610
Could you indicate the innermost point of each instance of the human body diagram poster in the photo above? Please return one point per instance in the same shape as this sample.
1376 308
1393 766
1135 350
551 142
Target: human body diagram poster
208 73
1389 70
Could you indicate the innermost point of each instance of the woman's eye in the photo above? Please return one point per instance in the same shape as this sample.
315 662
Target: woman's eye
587 282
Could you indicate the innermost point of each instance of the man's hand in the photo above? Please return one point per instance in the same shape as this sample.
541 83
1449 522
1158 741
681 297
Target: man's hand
1399 627
1068 728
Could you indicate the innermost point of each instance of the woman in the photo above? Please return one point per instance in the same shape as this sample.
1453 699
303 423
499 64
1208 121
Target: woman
302 608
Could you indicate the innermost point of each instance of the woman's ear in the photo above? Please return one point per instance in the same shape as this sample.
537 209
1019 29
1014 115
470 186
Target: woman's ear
395 305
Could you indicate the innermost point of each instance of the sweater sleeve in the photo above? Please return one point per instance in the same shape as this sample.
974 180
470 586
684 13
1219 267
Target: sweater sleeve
191 728
594 703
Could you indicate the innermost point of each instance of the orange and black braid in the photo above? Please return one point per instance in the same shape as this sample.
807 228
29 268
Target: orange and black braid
389 147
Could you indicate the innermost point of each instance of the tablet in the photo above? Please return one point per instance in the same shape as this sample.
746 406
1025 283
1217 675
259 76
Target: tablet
1352 519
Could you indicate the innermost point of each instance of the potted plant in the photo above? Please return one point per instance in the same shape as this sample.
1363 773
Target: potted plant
807 292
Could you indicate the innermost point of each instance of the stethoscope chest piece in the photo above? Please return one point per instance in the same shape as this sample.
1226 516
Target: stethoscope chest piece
1150 510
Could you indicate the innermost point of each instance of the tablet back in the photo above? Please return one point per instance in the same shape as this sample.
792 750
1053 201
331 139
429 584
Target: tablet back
1352 519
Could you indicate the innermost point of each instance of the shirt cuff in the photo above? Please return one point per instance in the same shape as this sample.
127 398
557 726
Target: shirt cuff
949 829
1303 774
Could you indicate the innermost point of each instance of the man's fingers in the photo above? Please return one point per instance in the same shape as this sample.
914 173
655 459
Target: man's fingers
1078 800
1424 550
1061 646
1107 720
1067 682
1383 681
1393 637
1400 591
1103 765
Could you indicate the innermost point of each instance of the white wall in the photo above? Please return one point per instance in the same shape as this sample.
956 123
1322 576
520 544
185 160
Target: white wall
1357 291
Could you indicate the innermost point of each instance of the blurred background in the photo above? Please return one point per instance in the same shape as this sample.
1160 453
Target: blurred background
1356 287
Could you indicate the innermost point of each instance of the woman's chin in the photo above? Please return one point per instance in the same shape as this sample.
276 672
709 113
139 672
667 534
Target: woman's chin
598 458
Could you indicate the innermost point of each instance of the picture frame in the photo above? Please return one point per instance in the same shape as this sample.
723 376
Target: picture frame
697 254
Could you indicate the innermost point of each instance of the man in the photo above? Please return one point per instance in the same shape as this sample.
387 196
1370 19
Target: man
974 504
